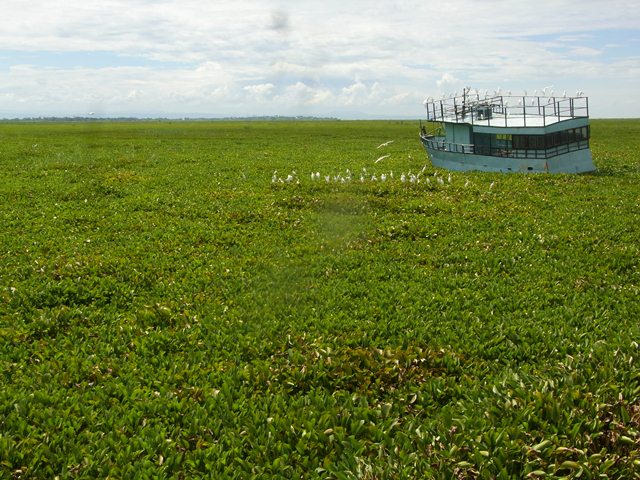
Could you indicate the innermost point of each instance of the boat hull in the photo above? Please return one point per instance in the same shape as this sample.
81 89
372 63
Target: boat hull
579 161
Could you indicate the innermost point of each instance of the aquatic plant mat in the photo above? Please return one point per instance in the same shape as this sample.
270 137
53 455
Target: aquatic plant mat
288 300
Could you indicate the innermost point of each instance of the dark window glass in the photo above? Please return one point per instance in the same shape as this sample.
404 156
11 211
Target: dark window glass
520 142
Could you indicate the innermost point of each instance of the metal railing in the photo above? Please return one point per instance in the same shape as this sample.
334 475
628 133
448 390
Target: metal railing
501 110
435 143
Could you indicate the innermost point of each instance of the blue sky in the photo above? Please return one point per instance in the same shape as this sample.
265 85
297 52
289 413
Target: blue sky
349 59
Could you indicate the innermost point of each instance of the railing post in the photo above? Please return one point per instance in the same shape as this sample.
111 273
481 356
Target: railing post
587 105
571 107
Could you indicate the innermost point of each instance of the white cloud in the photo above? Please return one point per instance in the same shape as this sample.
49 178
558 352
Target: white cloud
260 93
447 80
354 94
585 52
271 56
303 95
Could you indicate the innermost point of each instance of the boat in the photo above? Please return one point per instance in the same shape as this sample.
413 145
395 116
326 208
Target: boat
507 133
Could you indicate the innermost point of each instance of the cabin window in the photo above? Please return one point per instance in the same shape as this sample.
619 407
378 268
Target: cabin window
582 134
529 145
550 140
566 137
503 141
528 142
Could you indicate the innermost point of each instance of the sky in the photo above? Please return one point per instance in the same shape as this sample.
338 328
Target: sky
329 58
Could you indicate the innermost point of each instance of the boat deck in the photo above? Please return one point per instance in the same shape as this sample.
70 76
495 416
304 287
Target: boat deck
506 111
515 121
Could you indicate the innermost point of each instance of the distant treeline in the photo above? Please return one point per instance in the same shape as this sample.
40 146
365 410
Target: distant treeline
165 119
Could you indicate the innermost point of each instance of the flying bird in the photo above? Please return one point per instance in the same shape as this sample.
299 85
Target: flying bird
385 144
381 158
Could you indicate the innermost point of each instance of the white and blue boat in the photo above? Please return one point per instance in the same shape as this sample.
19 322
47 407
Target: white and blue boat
506 133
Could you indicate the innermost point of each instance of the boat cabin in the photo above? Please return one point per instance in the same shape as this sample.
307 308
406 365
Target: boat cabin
507 133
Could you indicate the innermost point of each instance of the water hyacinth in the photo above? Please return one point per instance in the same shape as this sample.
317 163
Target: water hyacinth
177 307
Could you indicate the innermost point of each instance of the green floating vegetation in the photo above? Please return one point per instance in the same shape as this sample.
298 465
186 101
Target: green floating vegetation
288 300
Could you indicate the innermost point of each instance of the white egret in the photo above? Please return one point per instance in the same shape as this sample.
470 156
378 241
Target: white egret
381 158
385 144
